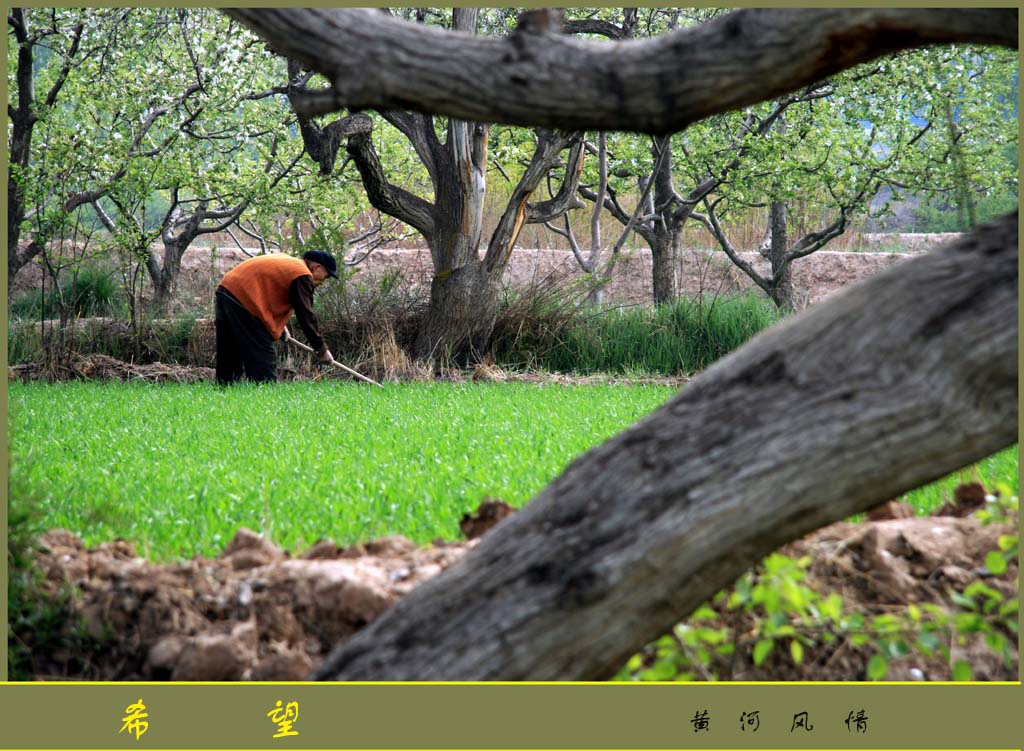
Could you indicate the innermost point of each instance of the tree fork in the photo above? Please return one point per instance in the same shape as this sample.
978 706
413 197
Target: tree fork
892 383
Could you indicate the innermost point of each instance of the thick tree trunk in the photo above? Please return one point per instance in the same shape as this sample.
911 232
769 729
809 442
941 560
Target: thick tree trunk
823 416
665 240
665 267
164 275
781 282
460 316
23 120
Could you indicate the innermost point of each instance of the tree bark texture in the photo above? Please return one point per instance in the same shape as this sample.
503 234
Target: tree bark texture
782 272
657 85
461 314
164 276
665 247
894 382
23 119
458 311
664 228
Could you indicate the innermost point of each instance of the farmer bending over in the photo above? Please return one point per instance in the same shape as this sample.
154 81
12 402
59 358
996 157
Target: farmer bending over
253 304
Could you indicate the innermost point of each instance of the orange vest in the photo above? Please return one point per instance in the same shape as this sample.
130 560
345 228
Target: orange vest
261 284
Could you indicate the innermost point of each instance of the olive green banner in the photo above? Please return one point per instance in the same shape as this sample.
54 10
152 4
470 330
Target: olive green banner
504 716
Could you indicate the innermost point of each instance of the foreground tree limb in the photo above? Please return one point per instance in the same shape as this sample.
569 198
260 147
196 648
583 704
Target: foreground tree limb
548 79
892 383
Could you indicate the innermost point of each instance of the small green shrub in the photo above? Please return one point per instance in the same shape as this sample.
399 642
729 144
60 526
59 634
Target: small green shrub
937 215
173 340
771 610
91 292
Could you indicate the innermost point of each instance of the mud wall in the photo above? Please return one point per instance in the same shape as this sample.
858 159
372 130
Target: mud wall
815 277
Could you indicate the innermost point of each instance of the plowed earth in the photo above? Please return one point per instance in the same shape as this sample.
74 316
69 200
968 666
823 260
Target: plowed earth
258 613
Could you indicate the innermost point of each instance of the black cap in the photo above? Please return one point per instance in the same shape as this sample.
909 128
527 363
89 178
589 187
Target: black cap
324 258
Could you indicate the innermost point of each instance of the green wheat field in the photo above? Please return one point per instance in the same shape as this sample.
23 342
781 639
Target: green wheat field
177 468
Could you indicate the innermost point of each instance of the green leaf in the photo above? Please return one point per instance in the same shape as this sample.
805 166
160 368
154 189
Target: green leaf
878 666
713 636
1008 542
777 563
996 642
832 607
962 671
968 623
995 562
776 620
737 598
914 612
963 601
974 589
855 621
927 642
885 623
793 593
796 649
703 613
896 648
762 649
660 671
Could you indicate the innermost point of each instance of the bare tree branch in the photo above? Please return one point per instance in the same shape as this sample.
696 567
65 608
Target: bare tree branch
657 85
62 76
565 199
713 225
516 214
385 196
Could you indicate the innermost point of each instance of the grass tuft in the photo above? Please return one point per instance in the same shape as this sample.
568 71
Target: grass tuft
676 339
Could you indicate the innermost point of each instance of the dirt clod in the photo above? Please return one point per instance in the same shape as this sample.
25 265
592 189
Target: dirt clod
291 665
488 514
967 499
891 510
217 657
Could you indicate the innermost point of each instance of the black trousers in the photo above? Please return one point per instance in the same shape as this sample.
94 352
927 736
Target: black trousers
243 342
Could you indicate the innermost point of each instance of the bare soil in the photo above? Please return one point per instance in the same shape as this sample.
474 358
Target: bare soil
103 367
259 613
